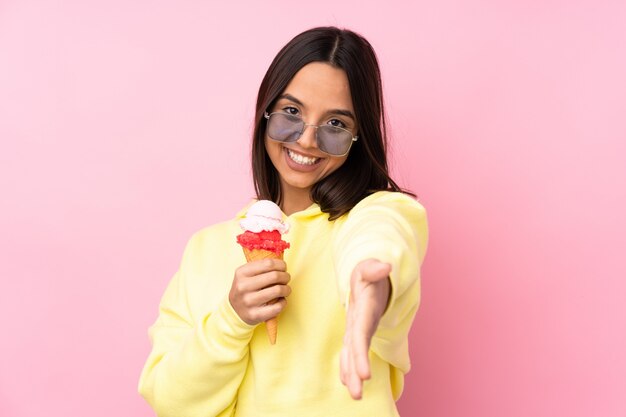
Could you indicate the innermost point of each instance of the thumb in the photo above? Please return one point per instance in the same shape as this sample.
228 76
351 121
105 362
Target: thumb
373 270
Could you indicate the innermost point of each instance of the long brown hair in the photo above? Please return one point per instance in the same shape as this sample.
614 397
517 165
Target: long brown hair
365 171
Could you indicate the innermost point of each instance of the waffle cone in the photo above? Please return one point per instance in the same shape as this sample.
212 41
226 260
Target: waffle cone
271 325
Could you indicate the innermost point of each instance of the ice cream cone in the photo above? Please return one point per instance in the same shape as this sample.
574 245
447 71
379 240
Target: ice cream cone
263 227
271 325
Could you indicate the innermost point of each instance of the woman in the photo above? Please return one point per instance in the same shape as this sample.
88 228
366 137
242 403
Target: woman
348 287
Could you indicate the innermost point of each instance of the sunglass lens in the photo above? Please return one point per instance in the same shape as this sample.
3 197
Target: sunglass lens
333 141
284 127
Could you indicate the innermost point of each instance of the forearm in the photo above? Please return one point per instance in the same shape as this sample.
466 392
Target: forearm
391 230
196 371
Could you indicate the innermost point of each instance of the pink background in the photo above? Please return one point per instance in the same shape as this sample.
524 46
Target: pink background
125 127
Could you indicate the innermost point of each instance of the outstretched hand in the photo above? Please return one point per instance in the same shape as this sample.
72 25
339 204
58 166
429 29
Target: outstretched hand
369 295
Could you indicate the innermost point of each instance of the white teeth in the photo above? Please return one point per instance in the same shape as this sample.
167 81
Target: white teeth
301 159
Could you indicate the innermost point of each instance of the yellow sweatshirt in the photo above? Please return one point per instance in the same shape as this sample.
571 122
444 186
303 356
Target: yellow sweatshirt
206 361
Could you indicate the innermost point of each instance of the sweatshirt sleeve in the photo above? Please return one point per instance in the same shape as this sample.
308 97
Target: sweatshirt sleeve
392 228
196 365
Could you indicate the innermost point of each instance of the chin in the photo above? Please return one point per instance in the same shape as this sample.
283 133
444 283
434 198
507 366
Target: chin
299 183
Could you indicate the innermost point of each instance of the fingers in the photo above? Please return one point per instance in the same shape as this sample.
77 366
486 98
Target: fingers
344 359
343 365
258 275
369 294
259 314
270 310
255 285
266 295
259 305
348 376
264 280
354 383
360 348
262 266
350 360
361 330
348 373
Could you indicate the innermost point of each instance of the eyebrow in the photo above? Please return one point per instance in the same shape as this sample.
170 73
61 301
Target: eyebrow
342 112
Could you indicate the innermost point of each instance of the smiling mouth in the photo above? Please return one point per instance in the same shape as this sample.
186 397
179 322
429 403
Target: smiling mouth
301 159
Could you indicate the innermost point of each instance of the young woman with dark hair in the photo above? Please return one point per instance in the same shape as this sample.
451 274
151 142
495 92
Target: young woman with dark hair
365 170
351 275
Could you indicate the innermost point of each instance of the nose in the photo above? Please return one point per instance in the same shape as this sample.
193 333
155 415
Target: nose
308 139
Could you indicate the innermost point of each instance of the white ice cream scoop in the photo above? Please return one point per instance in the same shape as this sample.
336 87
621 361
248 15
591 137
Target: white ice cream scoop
264 215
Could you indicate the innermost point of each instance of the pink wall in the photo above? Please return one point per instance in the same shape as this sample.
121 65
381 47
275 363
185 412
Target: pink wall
120 121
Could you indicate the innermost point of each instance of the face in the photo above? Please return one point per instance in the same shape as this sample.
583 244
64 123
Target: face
320 94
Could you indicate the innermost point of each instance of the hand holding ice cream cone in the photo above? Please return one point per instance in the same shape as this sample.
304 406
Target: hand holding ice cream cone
261 239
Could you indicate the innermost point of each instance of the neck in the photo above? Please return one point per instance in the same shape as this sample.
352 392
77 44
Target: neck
295 199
